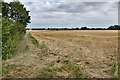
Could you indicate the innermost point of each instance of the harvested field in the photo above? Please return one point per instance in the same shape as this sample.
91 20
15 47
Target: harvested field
94 52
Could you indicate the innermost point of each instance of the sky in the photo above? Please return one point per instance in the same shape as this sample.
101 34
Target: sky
71 13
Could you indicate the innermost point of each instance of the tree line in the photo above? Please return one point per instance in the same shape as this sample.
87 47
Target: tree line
15 18
113 27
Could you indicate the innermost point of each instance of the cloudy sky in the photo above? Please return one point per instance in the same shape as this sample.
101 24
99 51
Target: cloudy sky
71 13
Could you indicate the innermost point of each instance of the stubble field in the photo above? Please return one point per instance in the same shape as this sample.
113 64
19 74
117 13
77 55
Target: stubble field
79 53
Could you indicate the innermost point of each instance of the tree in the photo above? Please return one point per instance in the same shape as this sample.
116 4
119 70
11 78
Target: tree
15 18
16 11
19 13
5 9
115 27
77 28
84 28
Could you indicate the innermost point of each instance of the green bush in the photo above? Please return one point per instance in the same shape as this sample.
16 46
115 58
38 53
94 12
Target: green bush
15 18
12 32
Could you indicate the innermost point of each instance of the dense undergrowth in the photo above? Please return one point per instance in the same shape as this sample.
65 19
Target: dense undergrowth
14 21
12 33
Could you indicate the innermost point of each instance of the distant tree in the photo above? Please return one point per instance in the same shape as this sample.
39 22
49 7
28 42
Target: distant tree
77 28
92 28
115 27
84 28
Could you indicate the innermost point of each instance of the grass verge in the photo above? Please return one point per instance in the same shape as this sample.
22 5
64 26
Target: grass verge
8 68
34 40
43 45
67 70
114 69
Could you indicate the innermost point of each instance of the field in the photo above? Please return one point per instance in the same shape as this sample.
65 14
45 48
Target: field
74 53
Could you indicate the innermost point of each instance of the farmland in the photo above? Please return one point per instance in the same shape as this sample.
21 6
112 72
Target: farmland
67 53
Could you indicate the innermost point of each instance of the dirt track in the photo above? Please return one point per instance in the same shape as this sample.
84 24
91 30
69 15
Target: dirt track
94 51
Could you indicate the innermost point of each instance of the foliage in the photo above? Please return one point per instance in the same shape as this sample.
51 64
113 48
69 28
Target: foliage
84 28
14 20
16 11
0 45
12 32
115 27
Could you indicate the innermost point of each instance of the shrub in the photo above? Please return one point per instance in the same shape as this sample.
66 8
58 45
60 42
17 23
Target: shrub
12 33
14 20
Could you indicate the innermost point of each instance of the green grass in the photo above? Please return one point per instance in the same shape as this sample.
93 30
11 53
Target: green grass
47 73
43 45
73 71
11 36
8 68
114 69
34 40
119 67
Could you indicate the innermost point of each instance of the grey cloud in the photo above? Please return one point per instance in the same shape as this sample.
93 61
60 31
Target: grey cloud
68 7
79 13
50 16
72 7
